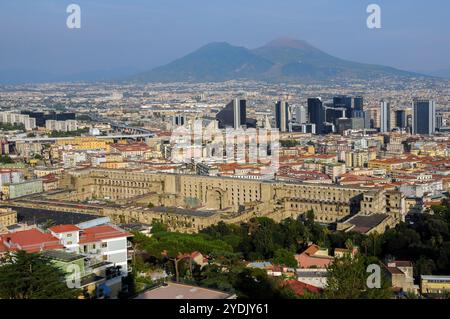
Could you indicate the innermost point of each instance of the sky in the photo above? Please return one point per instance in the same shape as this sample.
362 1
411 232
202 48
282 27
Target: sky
142 34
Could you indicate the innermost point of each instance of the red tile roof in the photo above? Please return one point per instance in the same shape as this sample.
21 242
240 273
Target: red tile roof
142 147
64 228
32 240
95 234
300 287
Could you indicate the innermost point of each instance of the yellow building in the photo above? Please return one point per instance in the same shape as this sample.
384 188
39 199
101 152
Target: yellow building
434 284
8 217
86 143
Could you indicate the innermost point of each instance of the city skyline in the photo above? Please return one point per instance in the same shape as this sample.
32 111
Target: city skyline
252 150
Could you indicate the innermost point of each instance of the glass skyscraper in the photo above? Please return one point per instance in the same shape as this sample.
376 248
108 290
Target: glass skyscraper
424 117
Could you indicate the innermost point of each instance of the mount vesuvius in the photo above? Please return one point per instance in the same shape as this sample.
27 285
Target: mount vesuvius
281 60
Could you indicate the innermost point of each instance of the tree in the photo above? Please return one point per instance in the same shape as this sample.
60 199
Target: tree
30 276
256 284
284 257
347 279
158 227
177 247
5 159
47 224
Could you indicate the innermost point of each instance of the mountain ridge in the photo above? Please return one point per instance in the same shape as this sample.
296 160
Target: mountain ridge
282 59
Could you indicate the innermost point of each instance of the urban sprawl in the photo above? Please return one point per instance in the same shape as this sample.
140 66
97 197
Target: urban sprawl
166 190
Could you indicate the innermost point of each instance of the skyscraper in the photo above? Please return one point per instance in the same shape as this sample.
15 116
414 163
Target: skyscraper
385 117
342 101
351 104
358 103
178 120
301 114
234 114
282 116
316 113
424 117
400 119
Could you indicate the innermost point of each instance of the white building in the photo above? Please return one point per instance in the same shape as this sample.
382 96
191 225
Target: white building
61 126
14 118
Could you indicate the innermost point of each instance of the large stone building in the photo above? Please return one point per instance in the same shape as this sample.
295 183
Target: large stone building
192 202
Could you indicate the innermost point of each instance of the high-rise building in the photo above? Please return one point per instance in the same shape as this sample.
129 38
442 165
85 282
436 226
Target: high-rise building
316 113
385 117
400 119
342 101
233 115
345 124
358 103
301 114
424 117
439 121
178 120
282 116
332 115
351 104
357 114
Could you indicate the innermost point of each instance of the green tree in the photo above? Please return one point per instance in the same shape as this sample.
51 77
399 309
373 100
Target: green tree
6 159
30 276
347 279
284 257
177 247
256 284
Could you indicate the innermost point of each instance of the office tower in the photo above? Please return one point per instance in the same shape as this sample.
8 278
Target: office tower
424 117
400 119
316 114
358 103
345 124
234 114
364 115
39 116
385 117
351 104
439 121
342 101
301 114
332 115
282 116
178 120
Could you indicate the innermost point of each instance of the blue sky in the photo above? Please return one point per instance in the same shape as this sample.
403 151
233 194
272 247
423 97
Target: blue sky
141 34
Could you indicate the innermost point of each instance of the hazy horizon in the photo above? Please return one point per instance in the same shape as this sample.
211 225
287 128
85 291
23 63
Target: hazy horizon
138 35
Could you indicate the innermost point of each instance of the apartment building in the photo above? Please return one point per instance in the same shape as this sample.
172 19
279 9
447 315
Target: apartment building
13 118
101 251
61 126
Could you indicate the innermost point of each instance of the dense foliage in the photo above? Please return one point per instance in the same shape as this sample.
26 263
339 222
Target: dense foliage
30 276
424 239
12 127
77 132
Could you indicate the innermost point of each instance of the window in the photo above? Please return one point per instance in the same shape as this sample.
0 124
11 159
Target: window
69 235
104 245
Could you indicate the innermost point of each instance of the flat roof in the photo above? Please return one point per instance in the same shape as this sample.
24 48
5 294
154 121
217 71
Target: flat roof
184 211
364 223
443 278
181 291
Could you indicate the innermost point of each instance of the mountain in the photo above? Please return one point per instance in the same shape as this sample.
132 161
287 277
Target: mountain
283 59
440 73
213 62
